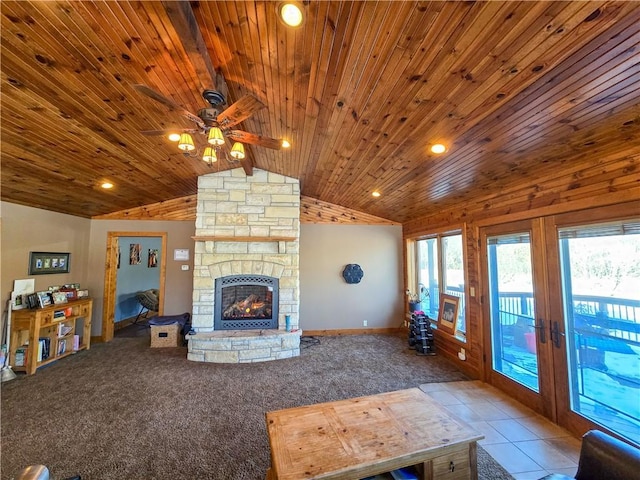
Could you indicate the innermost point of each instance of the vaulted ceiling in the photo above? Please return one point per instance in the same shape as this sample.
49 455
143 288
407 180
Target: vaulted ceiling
515 90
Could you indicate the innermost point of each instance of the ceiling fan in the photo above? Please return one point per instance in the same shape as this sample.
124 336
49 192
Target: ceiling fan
214 122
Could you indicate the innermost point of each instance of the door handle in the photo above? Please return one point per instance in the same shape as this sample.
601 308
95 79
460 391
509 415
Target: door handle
542 334
556 334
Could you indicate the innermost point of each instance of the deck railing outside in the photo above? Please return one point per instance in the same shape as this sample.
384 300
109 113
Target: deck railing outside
621 316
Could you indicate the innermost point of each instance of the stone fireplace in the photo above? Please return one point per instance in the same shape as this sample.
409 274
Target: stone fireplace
246 274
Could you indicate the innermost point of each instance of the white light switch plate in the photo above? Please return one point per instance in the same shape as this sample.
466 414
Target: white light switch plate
185 267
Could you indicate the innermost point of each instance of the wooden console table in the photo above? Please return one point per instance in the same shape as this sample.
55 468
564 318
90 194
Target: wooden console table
360 437
28 326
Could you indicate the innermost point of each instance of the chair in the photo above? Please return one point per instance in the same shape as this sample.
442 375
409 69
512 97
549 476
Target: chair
603 457
148 299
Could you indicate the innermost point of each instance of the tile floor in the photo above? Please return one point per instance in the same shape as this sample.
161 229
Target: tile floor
526 444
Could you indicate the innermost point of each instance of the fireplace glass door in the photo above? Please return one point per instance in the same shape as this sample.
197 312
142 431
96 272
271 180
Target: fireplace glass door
246 302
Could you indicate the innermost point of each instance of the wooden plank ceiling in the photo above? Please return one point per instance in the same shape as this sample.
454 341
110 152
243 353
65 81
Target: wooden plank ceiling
516 90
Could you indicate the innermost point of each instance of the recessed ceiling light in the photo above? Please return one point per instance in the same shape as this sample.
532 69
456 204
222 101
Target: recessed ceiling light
285 144
107 185
291 13
438 148
375 193
174 137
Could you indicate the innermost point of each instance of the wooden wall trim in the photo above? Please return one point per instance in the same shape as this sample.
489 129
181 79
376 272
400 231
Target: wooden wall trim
355 331
311 211
177 209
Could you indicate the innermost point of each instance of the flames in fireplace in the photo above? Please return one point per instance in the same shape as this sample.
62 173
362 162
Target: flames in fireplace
245 302
250 307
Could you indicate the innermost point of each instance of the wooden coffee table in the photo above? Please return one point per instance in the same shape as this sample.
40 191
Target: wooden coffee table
365 436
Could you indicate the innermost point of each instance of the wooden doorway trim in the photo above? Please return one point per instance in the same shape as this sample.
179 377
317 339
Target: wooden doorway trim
111 274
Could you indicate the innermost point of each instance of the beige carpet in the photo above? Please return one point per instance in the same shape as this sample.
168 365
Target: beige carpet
123 410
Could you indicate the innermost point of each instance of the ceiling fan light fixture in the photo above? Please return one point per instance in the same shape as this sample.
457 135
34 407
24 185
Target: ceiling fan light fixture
215 137
174 137
291 13
186 143
237 151
210 155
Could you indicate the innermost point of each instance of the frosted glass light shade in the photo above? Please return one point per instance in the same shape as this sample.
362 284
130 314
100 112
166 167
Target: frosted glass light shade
186 143
209 155
237 151
215 137
291 14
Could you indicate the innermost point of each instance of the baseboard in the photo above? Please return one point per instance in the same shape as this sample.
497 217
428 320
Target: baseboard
129 321
354 331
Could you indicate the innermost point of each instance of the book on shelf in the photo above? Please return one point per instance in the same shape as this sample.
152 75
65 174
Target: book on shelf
44 344
64 329
21 356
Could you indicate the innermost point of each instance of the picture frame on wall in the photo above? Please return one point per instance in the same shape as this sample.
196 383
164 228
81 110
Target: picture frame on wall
153 258
44 263
135 250
448 315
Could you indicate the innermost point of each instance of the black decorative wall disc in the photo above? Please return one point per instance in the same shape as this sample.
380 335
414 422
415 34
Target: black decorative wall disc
352 273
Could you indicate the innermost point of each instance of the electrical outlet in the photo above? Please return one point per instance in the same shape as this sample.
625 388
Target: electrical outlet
364 323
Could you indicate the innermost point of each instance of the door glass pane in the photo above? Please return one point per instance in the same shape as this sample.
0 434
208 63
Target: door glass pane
453 267
428 276
512 308
601 291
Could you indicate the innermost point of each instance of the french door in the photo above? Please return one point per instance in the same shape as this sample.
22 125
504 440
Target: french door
561 309
516 309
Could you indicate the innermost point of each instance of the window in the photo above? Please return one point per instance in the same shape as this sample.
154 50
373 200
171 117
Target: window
440 261
600 267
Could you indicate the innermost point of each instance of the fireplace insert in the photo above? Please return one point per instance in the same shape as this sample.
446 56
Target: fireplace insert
245 302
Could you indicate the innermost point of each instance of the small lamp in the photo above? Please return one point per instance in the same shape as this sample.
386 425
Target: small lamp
210 155
215 137
237 151
186 143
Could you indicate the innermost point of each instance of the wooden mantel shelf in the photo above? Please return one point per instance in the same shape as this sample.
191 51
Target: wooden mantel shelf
215 238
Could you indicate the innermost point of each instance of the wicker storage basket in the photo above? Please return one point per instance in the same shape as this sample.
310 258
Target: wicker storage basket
165 335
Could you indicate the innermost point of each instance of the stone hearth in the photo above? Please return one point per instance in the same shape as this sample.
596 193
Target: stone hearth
245 226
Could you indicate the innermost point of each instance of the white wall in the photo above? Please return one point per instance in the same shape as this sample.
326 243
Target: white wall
326 300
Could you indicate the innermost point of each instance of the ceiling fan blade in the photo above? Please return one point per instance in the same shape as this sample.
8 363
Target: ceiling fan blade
151 93
239 111
152 133
253 139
